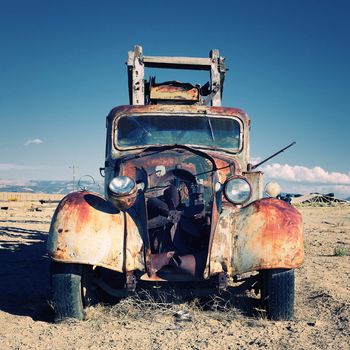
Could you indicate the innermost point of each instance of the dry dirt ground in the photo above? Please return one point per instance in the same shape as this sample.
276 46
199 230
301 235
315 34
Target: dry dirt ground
322 315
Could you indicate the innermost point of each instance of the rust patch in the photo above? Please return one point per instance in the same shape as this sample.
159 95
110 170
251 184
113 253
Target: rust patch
174 92
208 271
230 165
87 229
221 254
266 234
190 109
269 235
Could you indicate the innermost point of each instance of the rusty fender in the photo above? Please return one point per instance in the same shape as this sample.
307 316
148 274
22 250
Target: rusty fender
87 229
266 234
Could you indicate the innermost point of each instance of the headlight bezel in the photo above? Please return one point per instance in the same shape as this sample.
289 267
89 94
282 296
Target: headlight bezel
123 199
230 199
125 190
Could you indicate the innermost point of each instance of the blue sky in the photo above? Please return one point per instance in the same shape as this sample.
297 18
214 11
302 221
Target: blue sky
62 70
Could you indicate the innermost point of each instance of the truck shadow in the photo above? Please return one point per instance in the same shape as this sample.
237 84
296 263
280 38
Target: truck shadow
24 273
25 285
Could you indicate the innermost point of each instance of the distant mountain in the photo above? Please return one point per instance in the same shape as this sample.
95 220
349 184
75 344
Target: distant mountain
46 186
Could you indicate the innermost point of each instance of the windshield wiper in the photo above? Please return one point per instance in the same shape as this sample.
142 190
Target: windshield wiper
211 129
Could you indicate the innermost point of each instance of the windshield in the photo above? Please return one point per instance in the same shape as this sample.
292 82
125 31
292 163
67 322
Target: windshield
147 130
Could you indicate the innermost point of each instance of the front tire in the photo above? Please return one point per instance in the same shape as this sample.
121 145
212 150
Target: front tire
277 293
67 291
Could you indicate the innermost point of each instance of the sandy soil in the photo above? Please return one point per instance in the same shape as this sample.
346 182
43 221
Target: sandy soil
322 299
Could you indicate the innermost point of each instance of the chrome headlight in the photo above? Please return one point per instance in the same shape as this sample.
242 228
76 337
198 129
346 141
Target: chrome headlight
122 191
237 190
121 185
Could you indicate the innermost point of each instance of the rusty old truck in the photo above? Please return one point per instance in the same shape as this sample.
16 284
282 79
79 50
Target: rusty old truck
183 206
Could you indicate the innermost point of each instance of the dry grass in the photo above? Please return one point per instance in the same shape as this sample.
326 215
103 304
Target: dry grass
148 306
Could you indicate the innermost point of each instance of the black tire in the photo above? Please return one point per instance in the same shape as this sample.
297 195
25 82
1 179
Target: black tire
277 293
67 291
111 279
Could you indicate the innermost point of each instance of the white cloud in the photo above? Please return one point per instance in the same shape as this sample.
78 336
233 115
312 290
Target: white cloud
301 179
297 173
33 141
12 166
13 182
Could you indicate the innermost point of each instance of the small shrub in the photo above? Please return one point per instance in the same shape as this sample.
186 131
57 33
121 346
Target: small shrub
341 250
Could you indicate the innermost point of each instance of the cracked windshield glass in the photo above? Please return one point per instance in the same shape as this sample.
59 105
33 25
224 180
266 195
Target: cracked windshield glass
213 132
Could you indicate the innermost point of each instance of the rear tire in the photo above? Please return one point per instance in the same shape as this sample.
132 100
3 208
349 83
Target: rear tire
67 291
277 293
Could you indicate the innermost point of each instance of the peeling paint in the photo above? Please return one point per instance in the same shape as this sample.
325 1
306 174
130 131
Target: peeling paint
89 230
267 233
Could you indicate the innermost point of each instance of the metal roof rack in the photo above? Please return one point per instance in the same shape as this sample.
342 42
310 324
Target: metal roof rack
137 63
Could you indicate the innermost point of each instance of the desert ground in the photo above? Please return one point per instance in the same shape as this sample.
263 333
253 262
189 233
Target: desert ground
322 309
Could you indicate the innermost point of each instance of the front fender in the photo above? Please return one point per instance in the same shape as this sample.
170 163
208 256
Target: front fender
266 234
87 229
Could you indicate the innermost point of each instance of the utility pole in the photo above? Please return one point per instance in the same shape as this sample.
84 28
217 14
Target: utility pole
73 167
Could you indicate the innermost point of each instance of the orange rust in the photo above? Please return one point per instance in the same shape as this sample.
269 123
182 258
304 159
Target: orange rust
125 202
195 109
213 222
128 169
221 252
269 235
89 230
172 159
152 278
168 159
174 92
230 166
266 234
60 253
278 213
